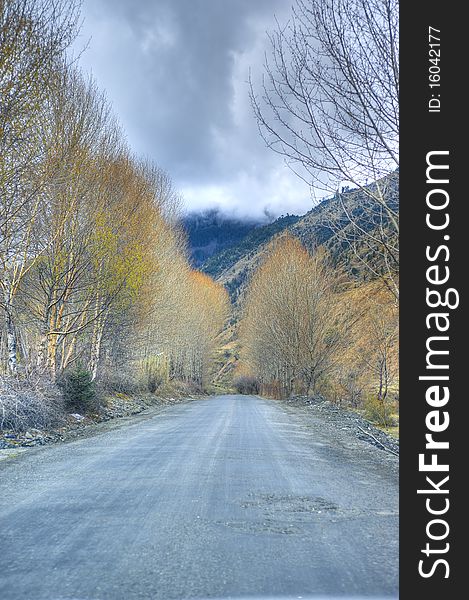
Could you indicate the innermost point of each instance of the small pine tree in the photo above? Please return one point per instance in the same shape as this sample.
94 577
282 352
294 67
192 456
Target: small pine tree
78 390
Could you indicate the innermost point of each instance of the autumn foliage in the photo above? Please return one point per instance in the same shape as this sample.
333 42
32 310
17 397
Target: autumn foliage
93 266
306 329
292 325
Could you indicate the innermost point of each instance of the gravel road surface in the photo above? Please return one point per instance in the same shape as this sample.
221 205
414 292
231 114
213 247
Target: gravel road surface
230 496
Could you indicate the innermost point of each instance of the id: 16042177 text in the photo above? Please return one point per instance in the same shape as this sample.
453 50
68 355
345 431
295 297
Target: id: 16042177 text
434 76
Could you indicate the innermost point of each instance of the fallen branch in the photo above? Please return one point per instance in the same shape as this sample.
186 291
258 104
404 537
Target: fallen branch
377 441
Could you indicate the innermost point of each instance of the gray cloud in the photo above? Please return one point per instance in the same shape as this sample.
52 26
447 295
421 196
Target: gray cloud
176 72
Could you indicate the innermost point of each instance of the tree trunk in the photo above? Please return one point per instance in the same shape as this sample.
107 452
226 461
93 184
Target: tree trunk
12 344
42 347
52 355
97 336
95 352
11 339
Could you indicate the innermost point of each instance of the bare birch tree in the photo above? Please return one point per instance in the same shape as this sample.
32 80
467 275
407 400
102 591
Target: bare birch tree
329 104
33 38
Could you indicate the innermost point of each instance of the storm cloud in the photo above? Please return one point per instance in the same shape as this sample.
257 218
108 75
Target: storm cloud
176 73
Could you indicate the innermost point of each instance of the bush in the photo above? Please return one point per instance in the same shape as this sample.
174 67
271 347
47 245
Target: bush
155 372
26 404
79 390
246 384
153 382
273 389
379 412
118 381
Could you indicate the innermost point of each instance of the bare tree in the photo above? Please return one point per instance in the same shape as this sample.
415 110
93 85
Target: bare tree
33 39
75 135
293 324
329 104
367 367
382 355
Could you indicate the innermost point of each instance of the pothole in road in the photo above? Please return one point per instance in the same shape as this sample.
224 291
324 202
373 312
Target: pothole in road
265 526
290 503
290 514
281 514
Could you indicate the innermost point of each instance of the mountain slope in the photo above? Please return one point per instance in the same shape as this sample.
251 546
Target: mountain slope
235 257
326 224
210 232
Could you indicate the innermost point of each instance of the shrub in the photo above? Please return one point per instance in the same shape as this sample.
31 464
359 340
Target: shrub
246 384
273 389
26 404
153 382
79 390
155 372
118 381
378 411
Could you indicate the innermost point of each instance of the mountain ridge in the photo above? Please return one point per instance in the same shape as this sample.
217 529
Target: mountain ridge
210 232
326 224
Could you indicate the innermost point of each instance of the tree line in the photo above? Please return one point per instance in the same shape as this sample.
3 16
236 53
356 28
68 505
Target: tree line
307 329
93 266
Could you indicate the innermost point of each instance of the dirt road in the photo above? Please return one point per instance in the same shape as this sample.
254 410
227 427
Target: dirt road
224 497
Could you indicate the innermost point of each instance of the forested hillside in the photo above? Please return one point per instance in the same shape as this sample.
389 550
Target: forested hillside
232 260
210 232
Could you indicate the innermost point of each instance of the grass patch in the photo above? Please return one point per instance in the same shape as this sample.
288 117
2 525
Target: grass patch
392 431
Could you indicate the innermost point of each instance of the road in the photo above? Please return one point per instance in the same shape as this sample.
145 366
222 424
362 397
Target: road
230 496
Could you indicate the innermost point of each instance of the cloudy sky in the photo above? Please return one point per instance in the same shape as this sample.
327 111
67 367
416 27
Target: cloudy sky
176 73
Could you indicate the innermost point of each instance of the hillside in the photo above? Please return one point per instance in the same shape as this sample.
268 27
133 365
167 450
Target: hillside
326 224
228 266
210 232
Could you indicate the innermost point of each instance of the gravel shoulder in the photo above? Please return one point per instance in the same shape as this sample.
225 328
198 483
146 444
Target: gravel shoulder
118 412
338 419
